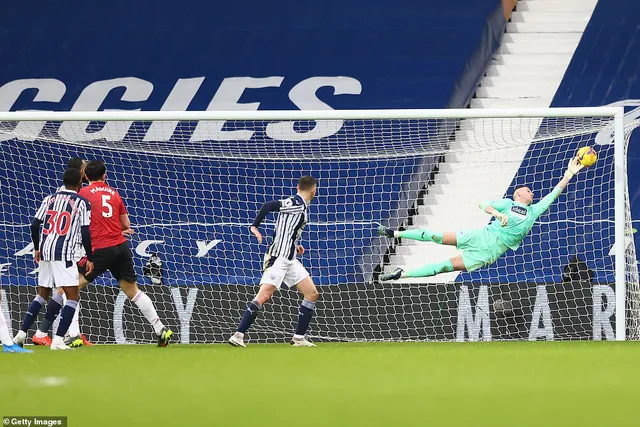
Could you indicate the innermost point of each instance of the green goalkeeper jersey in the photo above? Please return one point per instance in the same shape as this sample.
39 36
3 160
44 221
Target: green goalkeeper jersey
521 217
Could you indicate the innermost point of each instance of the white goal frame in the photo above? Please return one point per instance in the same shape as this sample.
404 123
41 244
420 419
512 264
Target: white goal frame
617 113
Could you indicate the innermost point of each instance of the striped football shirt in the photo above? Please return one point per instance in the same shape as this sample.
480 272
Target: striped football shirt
290 223
62 214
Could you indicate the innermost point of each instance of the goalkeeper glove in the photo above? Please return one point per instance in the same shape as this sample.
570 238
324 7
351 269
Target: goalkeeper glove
573 168
504 220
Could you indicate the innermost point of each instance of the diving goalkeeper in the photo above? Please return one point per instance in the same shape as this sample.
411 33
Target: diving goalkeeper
481 247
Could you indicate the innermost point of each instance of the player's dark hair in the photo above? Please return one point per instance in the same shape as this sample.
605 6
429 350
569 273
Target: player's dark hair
75 163
95 170
306 183
72 177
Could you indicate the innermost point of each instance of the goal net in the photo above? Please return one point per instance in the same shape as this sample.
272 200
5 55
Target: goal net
193 183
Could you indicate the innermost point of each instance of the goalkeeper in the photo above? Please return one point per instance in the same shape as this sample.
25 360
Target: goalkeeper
481 247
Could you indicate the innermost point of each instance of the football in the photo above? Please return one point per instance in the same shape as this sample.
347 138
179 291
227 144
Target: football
587 156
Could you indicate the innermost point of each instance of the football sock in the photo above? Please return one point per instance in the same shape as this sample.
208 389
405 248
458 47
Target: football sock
74 328
305 313
430 269
145 305
66 316
53 308
249 316
424 235
32 312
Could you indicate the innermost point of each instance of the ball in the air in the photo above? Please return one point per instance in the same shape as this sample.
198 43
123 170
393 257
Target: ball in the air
587 156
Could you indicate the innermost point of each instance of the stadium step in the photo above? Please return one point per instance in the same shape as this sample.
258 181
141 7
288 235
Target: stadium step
517 90
454 195
552 17
542 27
565 47
533 70
510 80
528 102
457 211
476 170
533 59
480 135
541 37
555 6
505 155
404 251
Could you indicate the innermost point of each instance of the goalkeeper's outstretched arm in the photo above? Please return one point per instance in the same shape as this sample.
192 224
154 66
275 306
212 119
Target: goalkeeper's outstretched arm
573 168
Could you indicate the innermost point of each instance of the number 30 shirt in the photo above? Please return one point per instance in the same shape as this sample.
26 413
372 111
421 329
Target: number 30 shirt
63 215
106 208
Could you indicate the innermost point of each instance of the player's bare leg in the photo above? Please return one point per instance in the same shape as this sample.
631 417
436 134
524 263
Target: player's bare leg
305 312
31 315
83 282
452 264
66 316
145 305
264 294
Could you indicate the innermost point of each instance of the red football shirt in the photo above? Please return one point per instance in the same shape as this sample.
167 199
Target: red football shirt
106 208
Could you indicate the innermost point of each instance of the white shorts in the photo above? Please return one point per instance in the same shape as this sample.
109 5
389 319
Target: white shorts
283 270
57 273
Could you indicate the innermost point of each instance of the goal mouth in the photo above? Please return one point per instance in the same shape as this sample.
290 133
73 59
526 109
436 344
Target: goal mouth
194 181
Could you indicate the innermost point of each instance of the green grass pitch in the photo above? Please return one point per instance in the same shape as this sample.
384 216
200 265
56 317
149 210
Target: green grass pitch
379 384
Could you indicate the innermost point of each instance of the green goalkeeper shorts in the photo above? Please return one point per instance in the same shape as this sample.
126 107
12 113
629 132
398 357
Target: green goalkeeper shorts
480 247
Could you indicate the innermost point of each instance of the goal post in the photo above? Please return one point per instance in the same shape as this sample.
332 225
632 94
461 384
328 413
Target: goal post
622 223
194 180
